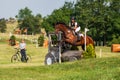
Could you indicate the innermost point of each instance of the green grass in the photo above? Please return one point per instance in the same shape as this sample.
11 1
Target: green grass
106 67
89 69
37 54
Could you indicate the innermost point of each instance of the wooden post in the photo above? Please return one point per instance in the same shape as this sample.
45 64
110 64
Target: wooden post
59 39
100 53
49 43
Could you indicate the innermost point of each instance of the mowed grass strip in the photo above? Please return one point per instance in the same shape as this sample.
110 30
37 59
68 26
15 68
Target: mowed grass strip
87 69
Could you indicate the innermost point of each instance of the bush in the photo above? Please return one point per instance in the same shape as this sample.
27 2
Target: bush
114 41
41 40
12 40
90 52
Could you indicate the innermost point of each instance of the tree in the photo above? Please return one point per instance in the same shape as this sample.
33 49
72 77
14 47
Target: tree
115 18
23 13
27 21
37 23
3 25
58 15
102 17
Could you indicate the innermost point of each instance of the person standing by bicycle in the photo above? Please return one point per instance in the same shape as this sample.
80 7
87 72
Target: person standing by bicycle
23 51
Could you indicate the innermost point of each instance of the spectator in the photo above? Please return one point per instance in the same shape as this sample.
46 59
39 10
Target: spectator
23 51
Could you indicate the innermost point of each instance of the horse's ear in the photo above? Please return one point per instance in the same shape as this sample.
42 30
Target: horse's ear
56 23
53 24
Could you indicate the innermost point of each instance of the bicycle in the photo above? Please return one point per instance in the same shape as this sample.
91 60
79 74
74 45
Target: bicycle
17 57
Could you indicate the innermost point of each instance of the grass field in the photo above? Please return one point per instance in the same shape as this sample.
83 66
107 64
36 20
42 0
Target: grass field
38 54
7 51
105 67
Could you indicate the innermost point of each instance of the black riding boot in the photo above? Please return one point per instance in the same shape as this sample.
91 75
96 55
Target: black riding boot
78 37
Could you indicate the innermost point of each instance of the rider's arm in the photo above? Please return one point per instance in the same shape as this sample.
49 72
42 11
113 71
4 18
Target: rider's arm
75 25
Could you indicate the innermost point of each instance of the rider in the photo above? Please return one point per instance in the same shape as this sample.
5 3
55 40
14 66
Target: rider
74 25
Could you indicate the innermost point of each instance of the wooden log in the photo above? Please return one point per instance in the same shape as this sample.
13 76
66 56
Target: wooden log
115 48
67 55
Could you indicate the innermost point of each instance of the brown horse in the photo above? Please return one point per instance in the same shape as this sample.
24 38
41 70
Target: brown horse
70 37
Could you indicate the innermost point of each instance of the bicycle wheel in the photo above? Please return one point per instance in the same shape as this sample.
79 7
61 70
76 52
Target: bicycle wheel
15 58
28 58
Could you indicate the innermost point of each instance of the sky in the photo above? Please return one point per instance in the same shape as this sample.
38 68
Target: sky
10 8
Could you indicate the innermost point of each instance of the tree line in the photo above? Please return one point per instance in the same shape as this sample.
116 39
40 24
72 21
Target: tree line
27 21
101 17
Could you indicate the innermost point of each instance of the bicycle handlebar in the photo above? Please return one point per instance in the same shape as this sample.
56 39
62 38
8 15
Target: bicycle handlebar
18 49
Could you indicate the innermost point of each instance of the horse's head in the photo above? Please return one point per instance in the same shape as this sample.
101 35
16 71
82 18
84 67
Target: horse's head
59 27
63 28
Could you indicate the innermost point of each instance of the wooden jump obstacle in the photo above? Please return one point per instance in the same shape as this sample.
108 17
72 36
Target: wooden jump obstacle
115 48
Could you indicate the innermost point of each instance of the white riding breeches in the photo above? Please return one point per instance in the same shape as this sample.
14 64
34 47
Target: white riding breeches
81 35
78 29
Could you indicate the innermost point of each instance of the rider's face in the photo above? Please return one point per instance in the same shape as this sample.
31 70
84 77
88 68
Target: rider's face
22 41
73 20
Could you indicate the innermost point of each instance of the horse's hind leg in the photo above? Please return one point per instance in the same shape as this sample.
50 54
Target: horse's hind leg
83 47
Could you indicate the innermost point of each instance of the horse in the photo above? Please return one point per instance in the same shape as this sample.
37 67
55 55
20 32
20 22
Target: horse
70 37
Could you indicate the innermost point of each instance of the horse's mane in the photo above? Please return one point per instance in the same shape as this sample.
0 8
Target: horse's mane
60 23
63 24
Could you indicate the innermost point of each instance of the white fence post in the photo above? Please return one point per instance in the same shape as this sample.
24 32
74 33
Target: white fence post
85 36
